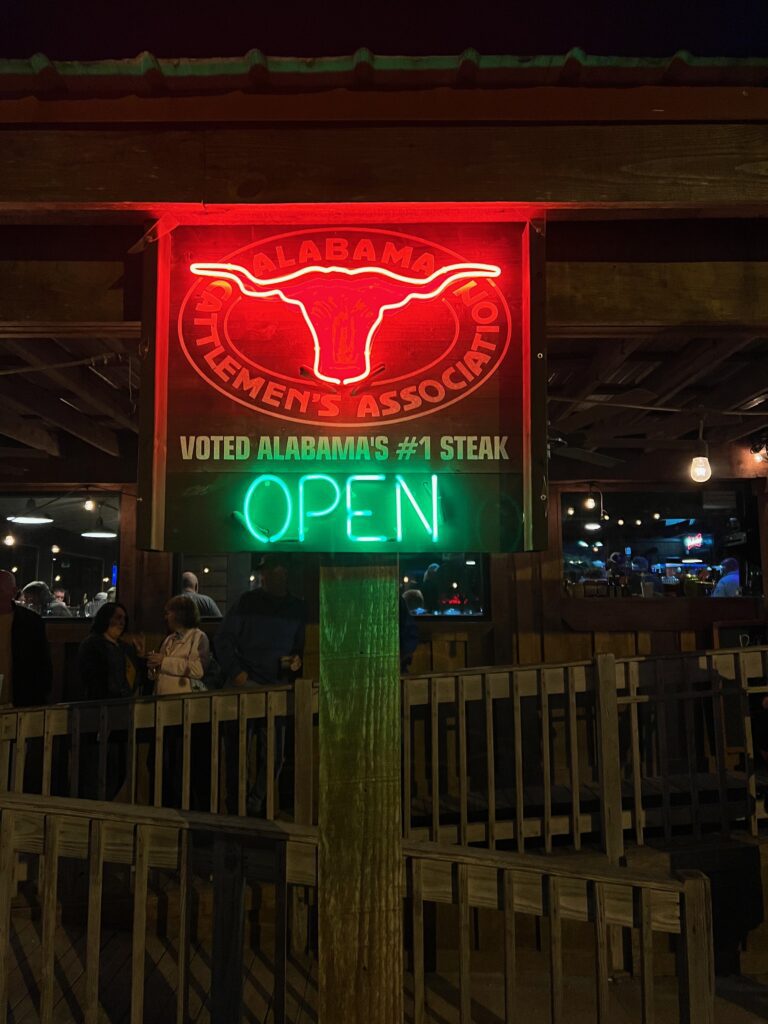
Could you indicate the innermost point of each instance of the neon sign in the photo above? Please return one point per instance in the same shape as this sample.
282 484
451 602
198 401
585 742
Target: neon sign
379 394
694 540
338 310
276 508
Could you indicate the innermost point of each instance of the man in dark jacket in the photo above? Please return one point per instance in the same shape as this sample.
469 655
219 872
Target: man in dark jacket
25 660
261 642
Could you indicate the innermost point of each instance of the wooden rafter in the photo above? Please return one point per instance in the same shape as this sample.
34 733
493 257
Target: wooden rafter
92 393
31 434
28 399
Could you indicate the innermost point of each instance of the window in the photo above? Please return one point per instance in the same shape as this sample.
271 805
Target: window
67 541
444 585
663 544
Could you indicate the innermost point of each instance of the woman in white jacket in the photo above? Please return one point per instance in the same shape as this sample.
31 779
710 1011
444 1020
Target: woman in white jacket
180 664
178 668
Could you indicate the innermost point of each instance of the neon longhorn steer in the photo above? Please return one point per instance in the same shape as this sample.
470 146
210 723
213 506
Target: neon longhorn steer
343 308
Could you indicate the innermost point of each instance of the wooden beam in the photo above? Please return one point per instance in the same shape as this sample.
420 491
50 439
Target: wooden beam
130 330
91 392
28 399
28 433
647 297
663 164
580 103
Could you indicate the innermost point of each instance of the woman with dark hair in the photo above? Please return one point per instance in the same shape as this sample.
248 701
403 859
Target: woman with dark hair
109 668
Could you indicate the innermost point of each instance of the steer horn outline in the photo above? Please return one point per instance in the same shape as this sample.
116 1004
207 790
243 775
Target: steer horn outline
255 287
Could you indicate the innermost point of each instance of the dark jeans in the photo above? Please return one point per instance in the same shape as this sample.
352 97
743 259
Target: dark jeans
256 793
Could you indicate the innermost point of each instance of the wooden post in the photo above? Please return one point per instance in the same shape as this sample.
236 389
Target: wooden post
696 956
360 886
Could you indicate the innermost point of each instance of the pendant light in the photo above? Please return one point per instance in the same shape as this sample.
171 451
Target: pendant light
31 516
701 470
99 532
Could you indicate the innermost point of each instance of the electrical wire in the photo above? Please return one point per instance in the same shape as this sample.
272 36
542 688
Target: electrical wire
657 408
90 361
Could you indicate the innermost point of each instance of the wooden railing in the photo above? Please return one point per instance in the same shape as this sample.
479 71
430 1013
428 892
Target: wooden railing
157 915
548 755
132 908
484 761
609 748
125 749
552 891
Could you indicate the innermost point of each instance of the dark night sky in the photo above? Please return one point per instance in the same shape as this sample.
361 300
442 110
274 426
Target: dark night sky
119 28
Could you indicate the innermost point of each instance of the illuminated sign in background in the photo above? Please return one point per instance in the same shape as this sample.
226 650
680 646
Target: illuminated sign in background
343 385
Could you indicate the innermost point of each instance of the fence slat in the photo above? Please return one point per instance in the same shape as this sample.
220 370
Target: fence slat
490 754
405 726
103 740
517 715
609 765
646 957
215 747
510 959
555 951
243 781
7 872
546 759
602 950
663 745
139 939
573 757
465 936
186 755
281 935
93 931
749 750
303 752
50 875
638 814
47 753
690 749
270 773
417 939
434 733
185 921
461 740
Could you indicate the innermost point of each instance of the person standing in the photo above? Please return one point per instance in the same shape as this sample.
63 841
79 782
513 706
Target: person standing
109 668
38 597
261 642
729 584
206 605
25 659
178 668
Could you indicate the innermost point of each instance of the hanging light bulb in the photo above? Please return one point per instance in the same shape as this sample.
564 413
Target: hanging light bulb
55 549
619 522
589 502
570 511
657 515
89 504
701 470
9 540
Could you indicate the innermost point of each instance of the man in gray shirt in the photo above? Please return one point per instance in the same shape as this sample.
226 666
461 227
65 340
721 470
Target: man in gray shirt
206 605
